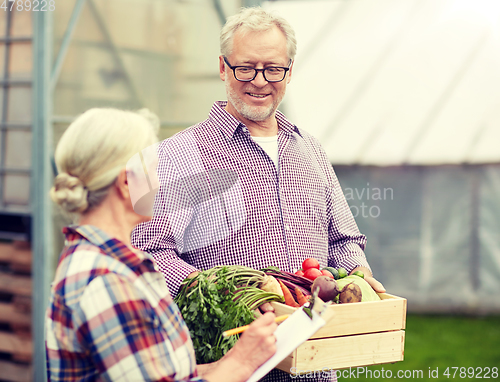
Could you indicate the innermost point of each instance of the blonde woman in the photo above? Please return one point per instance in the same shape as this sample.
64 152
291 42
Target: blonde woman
111 316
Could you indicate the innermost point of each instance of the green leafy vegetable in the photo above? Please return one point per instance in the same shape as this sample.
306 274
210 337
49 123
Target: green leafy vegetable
220 299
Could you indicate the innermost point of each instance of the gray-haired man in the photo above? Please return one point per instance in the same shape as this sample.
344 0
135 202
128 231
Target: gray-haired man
282 202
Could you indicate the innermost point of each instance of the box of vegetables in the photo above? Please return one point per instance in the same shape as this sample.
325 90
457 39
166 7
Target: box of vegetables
364 327
370 331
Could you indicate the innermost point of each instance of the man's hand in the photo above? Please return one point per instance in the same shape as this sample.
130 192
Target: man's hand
376 285
193 274
190 276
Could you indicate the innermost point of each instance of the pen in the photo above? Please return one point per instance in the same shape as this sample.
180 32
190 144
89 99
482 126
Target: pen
241 329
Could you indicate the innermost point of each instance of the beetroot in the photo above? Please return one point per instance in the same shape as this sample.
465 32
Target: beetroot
328 288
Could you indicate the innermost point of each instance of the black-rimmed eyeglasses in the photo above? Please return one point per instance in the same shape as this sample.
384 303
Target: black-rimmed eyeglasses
247 73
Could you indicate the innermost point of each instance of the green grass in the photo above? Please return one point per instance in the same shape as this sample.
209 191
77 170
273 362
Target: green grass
442 342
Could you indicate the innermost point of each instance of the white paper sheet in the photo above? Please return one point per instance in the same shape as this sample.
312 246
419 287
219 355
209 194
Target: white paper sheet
290 334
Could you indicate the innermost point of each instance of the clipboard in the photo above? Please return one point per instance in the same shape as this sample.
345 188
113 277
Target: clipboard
292 332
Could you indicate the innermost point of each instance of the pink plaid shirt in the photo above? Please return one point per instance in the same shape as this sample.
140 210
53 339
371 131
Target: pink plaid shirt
222 200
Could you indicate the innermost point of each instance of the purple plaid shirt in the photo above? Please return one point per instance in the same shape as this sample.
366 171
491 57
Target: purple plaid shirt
222 200
111 317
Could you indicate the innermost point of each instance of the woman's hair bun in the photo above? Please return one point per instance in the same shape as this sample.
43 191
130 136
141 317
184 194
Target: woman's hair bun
70 193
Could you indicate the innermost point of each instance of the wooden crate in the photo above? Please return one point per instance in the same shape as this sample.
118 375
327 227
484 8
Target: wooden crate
16 343
16 256
15 372
358 334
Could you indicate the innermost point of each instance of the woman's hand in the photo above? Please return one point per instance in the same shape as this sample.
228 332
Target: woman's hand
255 346
264 308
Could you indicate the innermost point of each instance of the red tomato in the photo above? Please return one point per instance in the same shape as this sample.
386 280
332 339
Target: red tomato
327 273
310 263
299 273
312 273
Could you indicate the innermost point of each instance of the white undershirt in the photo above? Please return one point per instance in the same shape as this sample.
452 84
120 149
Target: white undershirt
270 146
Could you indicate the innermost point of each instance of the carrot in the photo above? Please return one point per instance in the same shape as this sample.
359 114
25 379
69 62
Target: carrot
301 299
289 300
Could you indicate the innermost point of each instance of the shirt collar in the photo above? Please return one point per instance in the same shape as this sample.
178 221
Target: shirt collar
228 123
111 246
285 125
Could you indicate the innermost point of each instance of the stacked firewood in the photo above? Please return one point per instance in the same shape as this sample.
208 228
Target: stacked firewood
16 346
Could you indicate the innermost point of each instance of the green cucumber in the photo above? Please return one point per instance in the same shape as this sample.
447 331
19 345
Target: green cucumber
359 273
342 273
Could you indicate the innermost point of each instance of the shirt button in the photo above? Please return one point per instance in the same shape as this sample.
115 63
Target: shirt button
287 227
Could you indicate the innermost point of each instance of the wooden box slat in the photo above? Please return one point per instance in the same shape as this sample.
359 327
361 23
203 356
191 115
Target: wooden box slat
16 345
15 284
17 255
357 318
22 304
357 334
15 372
11 315
344 352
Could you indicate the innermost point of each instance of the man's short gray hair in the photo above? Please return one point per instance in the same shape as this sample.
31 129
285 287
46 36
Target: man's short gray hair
256 19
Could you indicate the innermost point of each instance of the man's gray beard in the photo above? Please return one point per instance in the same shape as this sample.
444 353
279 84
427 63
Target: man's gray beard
251 113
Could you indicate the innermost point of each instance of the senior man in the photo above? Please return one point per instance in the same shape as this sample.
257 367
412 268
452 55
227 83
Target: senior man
247 186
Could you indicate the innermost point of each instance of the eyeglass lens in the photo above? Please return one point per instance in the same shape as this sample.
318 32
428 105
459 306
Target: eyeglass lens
270 74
